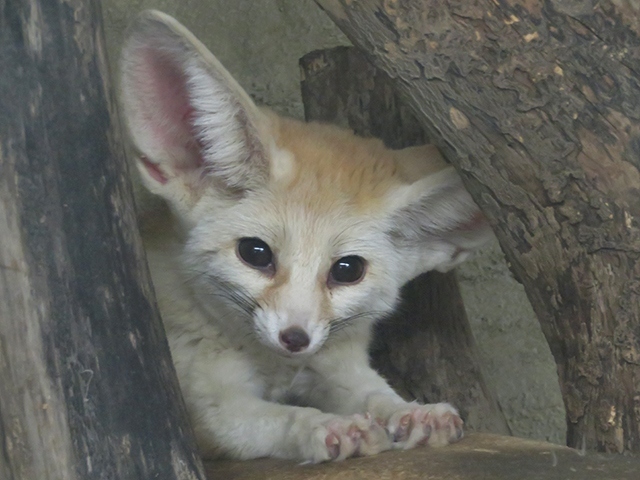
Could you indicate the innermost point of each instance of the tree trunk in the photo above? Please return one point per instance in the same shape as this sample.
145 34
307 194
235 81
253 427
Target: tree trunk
87 386
426 350
538 106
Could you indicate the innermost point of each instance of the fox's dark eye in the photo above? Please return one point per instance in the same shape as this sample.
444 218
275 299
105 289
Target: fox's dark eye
347 270
255 253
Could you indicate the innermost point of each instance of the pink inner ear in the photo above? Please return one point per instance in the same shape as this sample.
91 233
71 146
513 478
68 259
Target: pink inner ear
166 110
476 222
153 170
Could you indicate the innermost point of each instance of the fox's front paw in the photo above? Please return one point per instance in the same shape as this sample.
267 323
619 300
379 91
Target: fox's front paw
337 437
435 425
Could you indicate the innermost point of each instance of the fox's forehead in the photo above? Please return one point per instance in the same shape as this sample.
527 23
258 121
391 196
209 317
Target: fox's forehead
302 232
298 223
326 167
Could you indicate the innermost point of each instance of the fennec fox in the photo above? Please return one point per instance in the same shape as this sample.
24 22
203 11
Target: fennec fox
282 244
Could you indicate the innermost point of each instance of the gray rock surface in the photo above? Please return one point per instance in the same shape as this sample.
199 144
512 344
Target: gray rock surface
516 358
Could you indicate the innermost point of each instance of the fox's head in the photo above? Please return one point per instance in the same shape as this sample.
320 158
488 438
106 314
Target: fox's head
305 228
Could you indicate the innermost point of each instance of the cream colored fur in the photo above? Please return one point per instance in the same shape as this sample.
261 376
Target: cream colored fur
228 170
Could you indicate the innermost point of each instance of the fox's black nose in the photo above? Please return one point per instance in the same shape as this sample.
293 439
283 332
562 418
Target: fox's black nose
294 339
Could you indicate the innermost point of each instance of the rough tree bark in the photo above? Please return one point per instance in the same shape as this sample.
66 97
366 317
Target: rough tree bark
87 387
426 350
538 106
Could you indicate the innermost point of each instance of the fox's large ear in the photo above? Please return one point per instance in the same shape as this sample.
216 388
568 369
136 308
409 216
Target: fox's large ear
434 221
191 122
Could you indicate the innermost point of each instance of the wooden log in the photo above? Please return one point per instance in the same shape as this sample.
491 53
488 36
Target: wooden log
477 457
87 386
426 349
537 105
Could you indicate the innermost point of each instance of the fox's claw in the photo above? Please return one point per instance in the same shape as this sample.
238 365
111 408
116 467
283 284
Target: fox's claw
337 438
435 425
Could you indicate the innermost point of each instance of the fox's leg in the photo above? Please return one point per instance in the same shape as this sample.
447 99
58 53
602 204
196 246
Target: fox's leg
344 383
230 419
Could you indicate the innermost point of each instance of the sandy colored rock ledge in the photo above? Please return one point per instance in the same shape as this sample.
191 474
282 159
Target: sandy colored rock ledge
477 457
